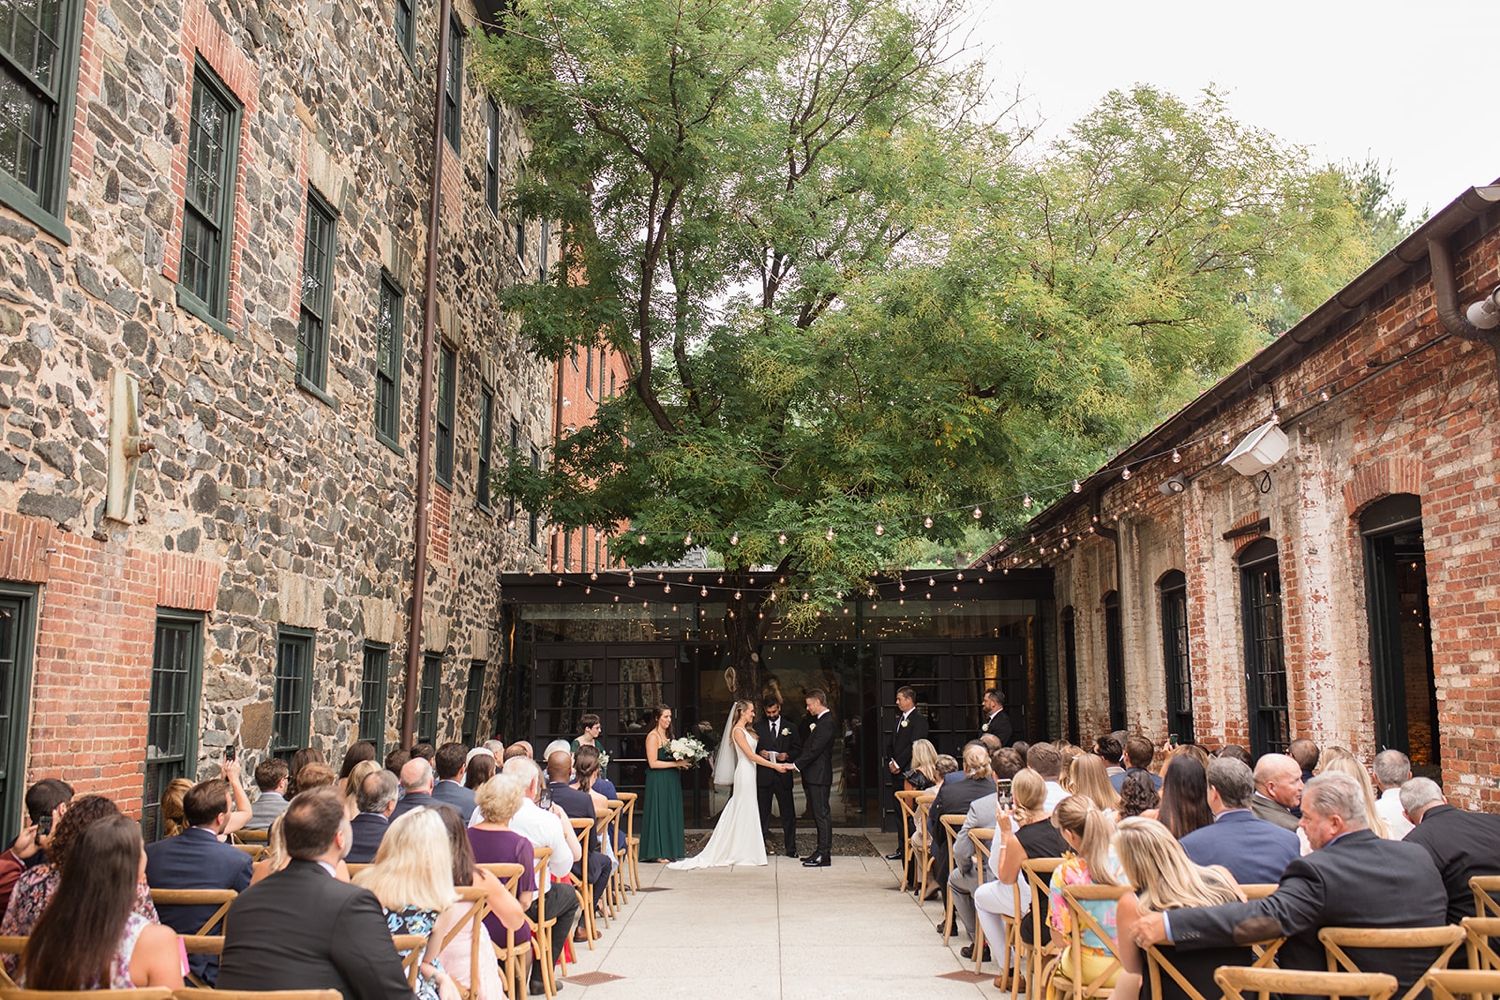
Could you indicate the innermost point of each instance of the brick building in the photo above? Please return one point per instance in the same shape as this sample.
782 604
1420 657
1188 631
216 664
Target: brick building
584 379
213 221
1349 590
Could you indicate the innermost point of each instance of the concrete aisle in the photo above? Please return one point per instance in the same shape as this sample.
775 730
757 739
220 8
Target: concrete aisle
778 932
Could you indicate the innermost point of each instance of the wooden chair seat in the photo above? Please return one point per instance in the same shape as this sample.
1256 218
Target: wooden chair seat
1336 939
1233 980
1258 890
1486 890
156 993
207 994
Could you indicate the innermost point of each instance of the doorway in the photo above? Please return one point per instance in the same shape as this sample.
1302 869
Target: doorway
17 639
1265 659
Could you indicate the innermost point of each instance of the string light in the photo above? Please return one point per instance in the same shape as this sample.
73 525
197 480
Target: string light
689 539
1176 456
782 538
1126 473
667 589
1225 439
703 592
643 538
734 539
1077 486
829 536
1026 502
928 521
738 596
879 529
978 513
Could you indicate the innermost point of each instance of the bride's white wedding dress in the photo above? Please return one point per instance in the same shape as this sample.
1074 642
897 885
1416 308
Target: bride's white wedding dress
736 839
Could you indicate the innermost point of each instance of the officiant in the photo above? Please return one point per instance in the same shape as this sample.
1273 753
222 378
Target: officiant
779 742
910 727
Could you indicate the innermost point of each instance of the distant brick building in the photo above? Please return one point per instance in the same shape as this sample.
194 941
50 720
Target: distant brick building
224 205
1351 591
584 379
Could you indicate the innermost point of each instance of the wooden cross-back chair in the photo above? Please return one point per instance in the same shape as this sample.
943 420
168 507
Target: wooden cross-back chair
508 953
155 993
1480 933
356 869
472 923
10 945
605 828
208 994
614 888
923 851
1158 961
257 852
1067 978
213 926
250 837
619 846
583 829
1446 938
632 842
414 945
906 801
1486 890
983 838
951 823
543 927
1038 875
1450 984
1235 980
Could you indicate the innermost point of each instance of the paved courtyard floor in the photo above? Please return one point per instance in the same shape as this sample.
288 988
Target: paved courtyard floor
782 931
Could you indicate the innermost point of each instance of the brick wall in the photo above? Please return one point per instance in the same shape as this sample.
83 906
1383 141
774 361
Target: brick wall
582 377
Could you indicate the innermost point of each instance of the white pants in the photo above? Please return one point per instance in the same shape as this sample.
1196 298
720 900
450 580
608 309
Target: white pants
992 902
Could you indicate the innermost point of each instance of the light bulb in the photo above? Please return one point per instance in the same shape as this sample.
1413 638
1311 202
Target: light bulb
782 538
1077 486
630 582
829 536
804 595
1226 438
928 521
593 576
960 576
931 582
703 592
689 539
559 581
738 595
1026 501
1323 395
588 590
667 589
734 539
617 598
1125 474
674 607
978 513
879 529
642 539
903 586
981 579
1176 456
773 595
902 602
1033 539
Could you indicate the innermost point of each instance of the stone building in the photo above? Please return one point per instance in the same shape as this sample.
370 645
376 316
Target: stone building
213 225
1347 590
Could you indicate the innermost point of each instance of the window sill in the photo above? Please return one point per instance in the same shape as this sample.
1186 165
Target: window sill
390 443
196 307
480 505
315 392
16 198
446 484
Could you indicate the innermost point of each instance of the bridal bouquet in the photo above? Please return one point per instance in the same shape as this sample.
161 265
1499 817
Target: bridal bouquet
687 748
603 763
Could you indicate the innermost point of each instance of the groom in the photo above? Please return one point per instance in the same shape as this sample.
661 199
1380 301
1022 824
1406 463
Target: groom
815 764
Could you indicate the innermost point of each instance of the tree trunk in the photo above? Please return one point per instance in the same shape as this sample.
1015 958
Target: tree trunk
745 628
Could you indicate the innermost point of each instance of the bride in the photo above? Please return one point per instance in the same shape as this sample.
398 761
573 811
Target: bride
736 838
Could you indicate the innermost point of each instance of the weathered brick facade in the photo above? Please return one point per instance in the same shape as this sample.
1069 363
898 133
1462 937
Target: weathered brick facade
263 505
1409 409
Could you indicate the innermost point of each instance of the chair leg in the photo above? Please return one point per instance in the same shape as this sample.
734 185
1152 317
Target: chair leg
978 944
947 914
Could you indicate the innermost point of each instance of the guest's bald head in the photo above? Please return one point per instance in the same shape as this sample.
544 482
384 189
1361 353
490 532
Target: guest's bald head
1279 778
416 775
560 766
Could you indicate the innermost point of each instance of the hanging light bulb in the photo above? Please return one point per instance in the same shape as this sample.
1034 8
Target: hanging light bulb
559 581
931 582
903 586
593 576
689 539
902 602
1176 456
782 538
1077 486
981 579
1026 501
667 589
870 592
978 513
804 595
731 614
960 576
738 596
1126 473
617 598
1323 395
773 595
928 521
829 536
838 595
1033 539
879 529
734 539
630 582
674 607
703 592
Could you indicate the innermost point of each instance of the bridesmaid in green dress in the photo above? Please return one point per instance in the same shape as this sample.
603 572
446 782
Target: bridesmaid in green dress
661 834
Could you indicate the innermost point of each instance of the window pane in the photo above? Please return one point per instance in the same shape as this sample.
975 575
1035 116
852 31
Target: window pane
447 365
486 409
453 96
290 693
25 130
200 254
317 271
372 695
388 360
207 198
492 156
29 35
206 137
472 696
432 671
404 34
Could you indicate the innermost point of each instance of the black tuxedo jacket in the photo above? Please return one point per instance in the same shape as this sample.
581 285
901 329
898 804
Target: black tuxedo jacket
788 742
1358 880
898 746
1462 845
998 727
303 929
815 758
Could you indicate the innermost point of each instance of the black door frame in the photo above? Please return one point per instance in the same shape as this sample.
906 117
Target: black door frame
16 689
1262 559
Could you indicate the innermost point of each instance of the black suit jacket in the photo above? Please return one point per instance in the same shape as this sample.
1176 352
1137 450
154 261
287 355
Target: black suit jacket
415 800
195 859
369 830
815 759
303 929
789 743
904 733
999 727
1358 880
452 793
1461 845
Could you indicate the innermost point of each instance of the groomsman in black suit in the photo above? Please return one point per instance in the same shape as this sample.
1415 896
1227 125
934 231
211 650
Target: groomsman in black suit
815 763
910 727
778 742
996 723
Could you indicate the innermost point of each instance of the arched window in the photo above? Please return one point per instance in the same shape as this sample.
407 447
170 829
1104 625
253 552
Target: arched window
1175 655
1114 660
1265 659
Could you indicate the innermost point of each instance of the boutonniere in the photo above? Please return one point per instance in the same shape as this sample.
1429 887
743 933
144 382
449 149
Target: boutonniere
904 722
812 727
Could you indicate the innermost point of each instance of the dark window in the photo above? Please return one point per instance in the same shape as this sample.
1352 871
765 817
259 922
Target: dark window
611 383
515 444
1266 685
406 34
317 286
521 240
372 695
389 317
533 531
492 155
292 695
543 251
17 635
427 702
208 204
1176 656
453 94
588 375
1070 672
473 695
486 434
447 375
172 719
567 551
38 52
1114 660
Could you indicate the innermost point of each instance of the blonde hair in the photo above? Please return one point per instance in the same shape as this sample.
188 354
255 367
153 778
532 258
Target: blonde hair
1162 874
173 819
414 866
924 758
500 797
1029 791
276 846
1078 815
976 761
1343 762
1090 778
357 775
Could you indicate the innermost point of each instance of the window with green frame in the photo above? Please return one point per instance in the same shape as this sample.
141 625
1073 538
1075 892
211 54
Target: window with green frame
427 701
473 695
515 444
172 718
453 88
389 318
208 200
492 155
39 54
447 376
372 695
17 641
486 434
317 288
291 694
406 32
534 528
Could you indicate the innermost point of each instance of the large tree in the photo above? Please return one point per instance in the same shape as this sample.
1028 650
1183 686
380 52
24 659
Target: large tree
854 313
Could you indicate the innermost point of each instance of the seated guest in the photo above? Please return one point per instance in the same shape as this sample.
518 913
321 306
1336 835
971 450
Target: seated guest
1305 752
377 800
449 764
1253 850
1237 752
357 775
396 760
272 777
922 774
424 751
1092 862
300 759
1344 762
1392 770
480 767
496 747
965 876
316 776
1044 759
90 936
1278 789
358 752
1139 752
546 828
494 842
1090 777
1184 797
1461 844
416 787
601 791
457 958
1350 879
172 822
1138 796
1164 879
955 797
591 727
1111 750
518 749
195 859
413 878
578 805
339 939
276 857
47 798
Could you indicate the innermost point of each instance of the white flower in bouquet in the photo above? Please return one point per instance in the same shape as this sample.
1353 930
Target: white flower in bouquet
687 748
603 762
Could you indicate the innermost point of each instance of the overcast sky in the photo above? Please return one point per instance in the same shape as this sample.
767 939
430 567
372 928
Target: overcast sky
1413 83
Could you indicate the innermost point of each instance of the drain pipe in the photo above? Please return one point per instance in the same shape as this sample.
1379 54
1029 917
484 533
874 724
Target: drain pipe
424 395
1445 290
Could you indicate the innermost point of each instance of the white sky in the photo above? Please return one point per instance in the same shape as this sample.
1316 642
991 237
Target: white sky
1414 83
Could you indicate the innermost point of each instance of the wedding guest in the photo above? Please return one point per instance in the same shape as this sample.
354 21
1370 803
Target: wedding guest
964 877
1184 797
457 957
14 861
1392 770
358 752
1344 762
955 797
492 841
276 857
922 774
1021 747
1278 789
300 759
416 787
1044 759
449 765
1164 879
520 748
480 768
1253 850
1091 778
580 805
316 776
352 783
997 722
661 814
425 751
47 799
1139 752
91 935
1110 750
271 777
496 747
396 760
1237 752
591 727
1138 796
1462 844
1305 752
376 799
1093 862
172 821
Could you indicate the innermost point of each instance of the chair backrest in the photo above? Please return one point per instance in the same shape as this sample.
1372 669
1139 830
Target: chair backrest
507 872
202 944
983 837
543 879
1158 962
1480 930
629 798
1486 890
206 994
157 993
952 823
256 851
1336 939
1038 875
198 897
356 869
581 828
1080 920
414 945
1258 890
251 836
1449 984
473 926
1234 979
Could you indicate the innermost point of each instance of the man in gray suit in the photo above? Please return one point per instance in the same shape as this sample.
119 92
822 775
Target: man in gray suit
271 778
1278 789
965 876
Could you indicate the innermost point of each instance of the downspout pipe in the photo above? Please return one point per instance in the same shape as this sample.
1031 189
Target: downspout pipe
1445 291
424 395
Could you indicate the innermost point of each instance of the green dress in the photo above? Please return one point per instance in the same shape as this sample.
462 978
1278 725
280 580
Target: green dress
661 833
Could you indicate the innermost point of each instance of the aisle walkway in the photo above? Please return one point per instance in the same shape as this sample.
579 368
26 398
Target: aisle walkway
782 932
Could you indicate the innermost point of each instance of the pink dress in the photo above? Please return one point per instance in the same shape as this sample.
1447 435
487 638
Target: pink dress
455 958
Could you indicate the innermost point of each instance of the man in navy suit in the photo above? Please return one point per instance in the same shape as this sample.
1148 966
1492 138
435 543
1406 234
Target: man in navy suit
416 782
449 790
195 859
1254 850
376 798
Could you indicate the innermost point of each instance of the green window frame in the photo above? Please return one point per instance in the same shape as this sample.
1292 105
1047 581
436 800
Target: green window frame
543 250
533 530
318 248
406 28
486 444
291 694
453 86
473 696
372 695
208 199
521 240
39 45
172 717
492 156
515 445
17 645
390 318
427 700
447 376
